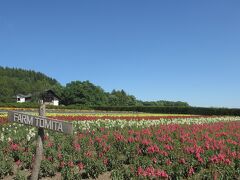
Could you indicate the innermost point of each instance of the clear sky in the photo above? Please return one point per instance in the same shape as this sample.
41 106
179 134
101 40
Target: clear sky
170 50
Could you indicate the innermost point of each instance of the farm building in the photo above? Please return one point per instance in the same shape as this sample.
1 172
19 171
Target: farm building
50 98
23 98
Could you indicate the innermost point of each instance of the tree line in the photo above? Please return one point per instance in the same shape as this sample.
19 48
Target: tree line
15 81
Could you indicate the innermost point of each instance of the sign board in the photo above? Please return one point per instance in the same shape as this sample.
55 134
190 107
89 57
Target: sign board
40 122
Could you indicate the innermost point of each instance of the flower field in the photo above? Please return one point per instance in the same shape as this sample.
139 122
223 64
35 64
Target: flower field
127 146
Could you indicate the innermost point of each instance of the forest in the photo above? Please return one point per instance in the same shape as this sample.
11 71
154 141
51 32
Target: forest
15 81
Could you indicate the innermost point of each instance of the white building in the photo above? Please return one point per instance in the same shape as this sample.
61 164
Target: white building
55 101
23 98
50 98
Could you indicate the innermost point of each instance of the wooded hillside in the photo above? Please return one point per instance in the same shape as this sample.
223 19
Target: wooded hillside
15 81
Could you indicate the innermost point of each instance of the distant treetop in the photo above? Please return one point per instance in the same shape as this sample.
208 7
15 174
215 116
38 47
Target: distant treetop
15 81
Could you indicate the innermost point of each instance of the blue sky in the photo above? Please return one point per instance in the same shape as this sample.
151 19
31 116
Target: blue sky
171 50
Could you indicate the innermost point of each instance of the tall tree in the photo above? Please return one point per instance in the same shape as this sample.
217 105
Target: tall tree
84 93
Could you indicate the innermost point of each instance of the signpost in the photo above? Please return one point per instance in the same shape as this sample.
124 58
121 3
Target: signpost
41 122
39 148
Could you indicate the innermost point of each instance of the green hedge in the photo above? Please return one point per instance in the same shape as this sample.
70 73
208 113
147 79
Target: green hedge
176 110
146 109
36 105
20 105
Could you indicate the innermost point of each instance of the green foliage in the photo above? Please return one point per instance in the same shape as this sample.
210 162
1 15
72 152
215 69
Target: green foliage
15 81
173 110
123 173
78 94
127 153
83 93
94 167
6 167
70 173
120 98
20 105
165 103
47 169
20 176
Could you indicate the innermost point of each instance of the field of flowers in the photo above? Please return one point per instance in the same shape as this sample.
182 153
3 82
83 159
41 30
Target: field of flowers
127 146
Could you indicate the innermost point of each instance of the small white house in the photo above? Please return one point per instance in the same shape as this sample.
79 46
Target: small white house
55 101
50 98
23 98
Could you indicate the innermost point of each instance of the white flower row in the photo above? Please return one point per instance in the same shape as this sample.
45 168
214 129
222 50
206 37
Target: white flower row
16 131
19 131
108 123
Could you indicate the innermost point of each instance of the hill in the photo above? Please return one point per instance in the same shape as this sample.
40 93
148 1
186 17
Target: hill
15 81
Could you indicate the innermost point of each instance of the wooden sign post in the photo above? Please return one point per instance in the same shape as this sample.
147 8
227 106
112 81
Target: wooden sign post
41 122
39 148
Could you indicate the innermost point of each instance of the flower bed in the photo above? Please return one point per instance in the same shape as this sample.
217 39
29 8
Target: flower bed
167 148
161 118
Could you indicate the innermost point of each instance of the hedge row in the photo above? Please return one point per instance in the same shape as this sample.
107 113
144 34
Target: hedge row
176 110
36 105
20 105
147 109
